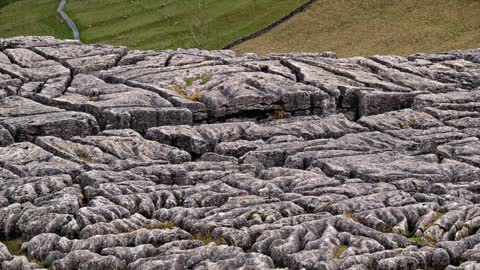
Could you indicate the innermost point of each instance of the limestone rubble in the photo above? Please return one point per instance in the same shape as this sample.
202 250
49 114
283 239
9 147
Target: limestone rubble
189 159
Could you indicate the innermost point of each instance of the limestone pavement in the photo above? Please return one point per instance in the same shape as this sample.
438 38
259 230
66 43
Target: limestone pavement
188 159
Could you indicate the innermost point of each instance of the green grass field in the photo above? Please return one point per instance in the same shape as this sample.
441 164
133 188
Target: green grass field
165 24
145 24
367 27
31 17
349 27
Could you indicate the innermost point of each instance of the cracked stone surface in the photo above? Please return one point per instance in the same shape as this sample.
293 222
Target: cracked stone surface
189 159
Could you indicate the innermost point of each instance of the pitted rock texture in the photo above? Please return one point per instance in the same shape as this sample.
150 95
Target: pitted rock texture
192 159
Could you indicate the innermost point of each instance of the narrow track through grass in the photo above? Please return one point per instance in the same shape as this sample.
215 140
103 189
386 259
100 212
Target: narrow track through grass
32 17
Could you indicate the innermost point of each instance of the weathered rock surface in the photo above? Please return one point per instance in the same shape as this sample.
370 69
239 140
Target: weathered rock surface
193 159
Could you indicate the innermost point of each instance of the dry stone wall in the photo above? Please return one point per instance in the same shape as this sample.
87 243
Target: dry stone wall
269 27
191 159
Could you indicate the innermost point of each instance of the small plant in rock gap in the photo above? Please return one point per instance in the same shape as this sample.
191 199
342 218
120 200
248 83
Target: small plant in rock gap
160 226
84 156
408 123
178 88
349 214
409 233
204 79
279 114
194 96
339 251
436 218
263 216
93 98
420 241
208 238
14 246
189 80
163 225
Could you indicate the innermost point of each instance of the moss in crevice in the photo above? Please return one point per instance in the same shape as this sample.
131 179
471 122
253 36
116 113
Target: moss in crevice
423 241
94 98
204 79
409 234
208 238
14 246
194 96
263 216
408 123
436 218
84 156
349 214
339 250
419 241
161 226
280 114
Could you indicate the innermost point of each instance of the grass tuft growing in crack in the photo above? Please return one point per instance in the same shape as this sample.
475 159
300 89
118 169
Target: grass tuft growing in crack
84 156
204 79
339 251
349 214
436 218
162 226
194 96
14 246
408 123
263 216
420 241
159 226
280 114
208 238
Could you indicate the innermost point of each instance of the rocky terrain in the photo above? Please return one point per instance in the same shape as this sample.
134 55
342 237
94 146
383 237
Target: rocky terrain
191 159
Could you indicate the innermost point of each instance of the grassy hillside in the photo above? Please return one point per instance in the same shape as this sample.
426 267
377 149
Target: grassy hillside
349 27
161 24
366 27
31 17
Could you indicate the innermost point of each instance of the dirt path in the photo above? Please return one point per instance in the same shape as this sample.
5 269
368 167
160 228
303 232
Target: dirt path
71 24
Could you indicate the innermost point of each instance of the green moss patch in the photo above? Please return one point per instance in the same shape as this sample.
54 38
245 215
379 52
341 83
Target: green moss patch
263 216
339 251
420 241
195 96
204 79
436 218
14 246
162 226
207 238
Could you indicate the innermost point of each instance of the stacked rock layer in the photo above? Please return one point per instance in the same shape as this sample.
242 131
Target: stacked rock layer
189 159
